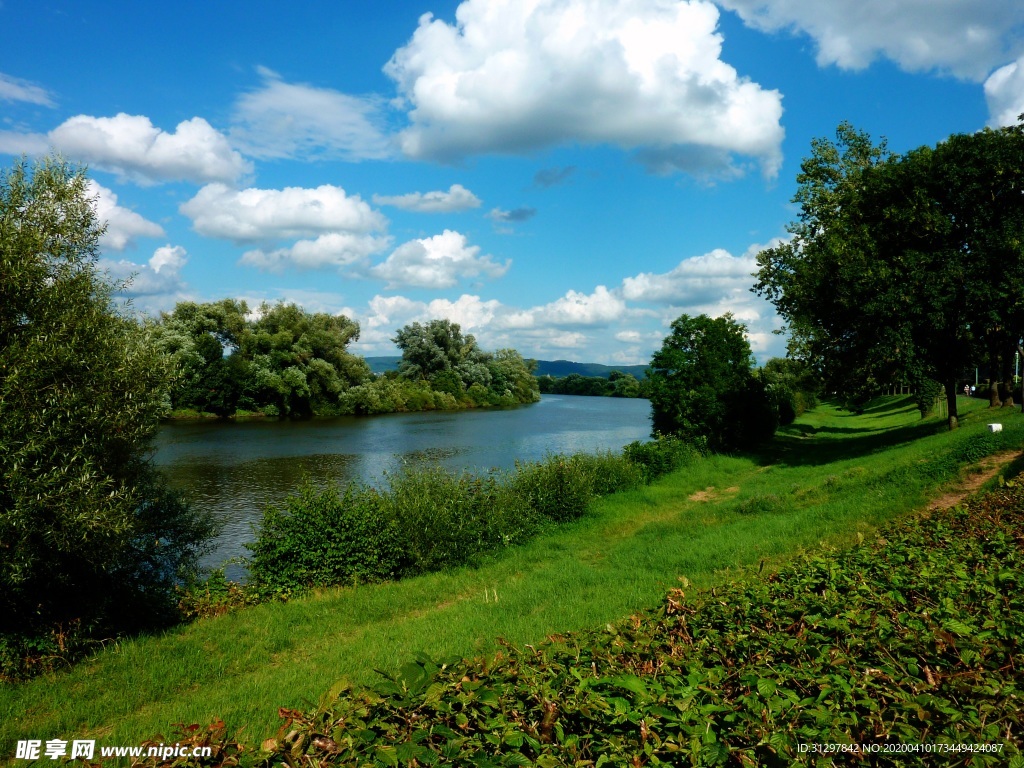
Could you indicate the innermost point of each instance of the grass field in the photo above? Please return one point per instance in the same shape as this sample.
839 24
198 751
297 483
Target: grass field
825 480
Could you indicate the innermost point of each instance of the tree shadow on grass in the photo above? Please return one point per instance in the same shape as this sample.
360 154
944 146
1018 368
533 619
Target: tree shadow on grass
807 445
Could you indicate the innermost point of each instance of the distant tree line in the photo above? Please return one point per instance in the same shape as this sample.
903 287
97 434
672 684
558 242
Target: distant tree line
283 361
616 384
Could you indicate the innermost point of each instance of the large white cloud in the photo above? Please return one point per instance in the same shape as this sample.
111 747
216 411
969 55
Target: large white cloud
283 119
573 310
695 281
386 314
514 76
967 38
266 215
1004 92
437 262
156 285
334 249
123 225
132 146
713 283
457 198
16 89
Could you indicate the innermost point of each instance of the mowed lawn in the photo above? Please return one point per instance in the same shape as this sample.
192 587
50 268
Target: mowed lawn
825 481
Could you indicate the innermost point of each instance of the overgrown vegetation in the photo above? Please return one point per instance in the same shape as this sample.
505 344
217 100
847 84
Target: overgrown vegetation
284 362
827 477
429 520
91 541
907 647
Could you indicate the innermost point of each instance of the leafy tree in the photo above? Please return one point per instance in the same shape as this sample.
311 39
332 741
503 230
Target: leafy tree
91 540
702 385
300 364
903 268
201 341
438 346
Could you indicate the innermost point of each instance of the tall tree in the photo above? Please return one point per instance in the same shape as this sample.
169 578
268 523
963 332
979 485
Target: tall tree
702 385
435 349
299 361
89 535
903 267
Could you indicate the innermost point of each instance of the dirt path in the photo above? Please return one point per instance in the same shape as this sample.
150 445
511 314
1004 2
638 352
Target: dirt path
989 468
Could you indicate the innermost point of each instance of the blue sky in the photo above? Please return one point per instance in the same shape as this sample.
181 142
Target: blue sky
560 176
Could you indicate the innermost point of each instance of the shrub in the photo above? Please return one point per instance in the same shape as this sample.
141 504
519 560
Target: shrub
323 539
662 455
430 519
557 488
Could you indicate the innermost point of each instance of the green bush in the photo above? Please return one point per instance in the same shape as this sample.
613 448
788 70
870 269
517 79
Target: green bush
426 520
557 488
444 520
322 539
662 455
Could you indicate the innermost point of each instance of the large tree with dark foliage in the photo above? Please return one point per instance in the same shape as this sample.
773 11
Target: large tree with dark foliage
903 267
702 385
91 541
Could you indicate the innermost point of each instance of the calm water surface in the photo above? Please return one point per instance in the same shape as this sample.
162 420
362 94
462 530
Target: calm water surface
235 470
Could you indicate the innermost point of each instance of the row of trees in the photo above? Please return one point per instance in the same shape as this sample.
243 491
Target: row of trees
906 267
283 361
616 384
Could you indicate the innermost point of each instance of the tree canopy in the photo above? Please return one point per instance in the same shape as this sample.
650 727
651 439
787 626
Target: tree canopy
703 388
903 267
90 537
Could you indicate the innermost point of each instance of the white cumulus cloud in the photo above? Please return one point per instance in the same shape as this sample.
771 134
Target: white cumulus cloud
386 314
262 215
132 146
156 285
282 119
646 75
1004 92
334 249
967 38
696 281
123 224
457 198
574 310
437 262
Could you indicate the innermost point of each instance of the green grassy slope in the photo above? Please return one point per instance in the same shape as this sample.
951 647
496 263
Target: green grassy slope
826 478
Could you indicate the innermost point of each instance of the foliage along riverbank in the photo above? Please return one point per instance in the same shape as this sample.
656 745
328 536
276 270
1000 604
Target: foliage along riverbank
907 647
282 361
827 477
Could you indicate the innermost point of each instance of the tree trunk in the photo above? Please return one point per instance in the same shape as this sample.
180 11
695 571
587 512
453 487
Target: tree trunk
953 421
993 392
1006 392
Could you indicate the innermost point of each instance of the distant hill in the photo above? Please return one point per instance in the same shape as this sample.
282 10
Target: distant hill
557 368
382 364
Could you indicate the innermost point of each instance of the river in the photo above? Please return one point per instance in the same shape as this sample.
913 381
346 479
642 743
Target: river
235 469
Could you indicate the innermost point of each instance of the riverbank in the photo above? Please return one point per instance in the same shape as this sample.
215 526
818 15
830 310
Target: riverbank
903 650
827 478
